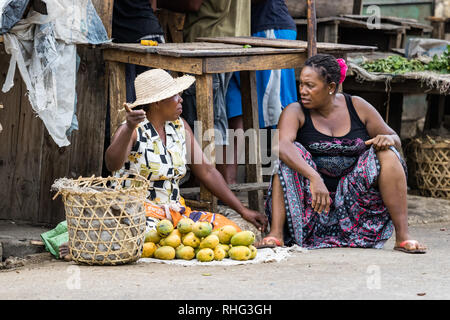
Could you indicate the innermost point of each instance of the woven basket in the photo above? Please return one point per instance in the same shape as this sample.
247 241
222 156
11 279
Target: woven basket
105 218
432 166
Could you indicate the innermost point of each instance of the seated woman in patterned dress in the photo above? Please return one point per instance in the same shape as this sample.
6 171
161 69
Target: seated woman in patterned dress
157 144
340 180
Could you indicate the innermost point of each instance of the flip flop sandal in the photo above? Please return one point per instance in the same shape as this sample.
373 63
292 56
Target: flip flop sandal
269 245
402 248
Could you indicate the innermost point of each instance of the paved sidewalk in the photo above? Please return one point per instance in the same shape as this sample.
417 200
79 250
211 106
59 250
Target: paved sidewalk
317 274
15 237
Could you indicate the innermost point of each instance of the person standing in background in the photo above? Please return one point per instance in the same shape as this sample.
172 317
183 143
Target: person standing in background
275 88
212 18
133 21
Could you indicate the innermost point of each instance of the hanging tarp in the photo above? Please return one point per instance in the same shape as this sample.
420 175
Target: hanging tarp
43 47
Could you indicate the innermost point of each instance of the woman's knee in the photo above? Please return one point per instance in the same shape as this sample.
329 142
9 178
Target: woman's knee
390 162
387 157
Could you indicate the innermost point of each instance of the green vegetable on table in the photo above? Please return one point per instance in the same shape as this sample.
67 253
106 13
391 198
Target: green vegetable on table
398 65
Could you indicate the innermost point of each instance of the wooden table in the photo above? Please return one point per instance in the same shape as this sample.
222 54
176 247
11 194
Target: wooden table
355 29
441 27
203 59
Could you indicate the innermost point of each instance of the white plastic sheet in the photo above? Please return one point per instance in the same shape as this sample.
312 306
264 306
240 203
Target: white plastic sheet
265 255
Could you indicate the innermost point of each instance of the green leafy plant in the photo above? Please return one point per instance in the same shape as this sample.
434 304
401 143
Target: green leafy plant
440 64
398 65
394 64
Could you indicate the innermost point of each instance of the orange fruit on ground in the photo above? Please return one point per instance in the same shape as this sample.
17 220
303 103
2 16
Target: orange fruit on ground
149 249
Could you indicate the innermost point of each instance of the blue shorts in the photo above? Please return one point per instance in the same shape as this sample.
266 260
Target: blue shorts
276 88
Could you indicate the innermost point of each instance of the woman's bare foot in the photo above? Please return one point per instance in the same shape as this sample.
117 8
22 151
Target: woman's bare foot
64 252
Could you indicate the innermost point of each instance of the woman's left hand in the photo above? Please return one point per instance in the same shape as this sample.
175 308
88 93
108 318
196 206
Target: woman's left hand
381 142
258 219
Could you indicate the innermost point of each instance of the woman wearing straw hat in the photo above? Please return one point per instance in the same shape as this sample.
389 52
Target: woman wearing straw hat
156 143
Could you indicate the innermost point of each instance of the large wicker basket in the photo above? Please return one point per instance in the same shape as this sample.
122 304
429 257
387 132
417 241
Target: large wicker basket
432 166
105 218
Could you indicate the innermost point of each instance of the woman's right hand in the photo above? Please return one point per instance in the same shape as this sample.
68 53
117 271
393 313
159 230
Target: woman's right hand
320 196
134 117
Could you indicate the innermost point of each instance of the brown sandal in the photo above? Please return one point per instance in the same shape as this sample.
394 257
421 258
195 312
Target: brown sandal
402 247
263 244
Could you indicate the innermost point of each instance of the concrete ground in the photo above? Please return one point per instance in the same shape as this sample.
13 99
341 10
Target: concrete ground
317 274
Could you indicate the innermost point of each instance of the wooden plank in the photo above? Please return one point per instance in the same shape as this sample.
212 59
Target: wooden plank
55 164
9 117
186 65
228 52
192 46
205 114
252 148
412 23
87 144
199 49
353 23
239 187
117 94
104 9
84 156
266 62
406 86
282 43
25 174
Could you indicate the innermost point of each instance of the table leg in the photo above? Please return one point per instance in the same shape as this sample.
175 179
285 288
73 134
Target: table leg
396 40
205 116
117 94
252 150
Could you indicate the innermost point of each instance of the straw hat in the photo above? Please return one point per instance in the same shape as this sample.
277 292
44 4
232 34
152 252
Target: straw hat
156 85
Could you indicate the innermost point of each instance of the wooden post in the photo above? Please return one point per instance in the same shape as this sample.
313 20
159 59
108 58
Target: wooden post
117 94
357 7
252 150
104 10
205 114
328 32
312 29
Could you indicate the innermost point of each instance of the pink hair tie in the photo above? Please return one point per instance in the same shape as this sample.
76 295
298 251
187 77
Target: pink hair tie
344 68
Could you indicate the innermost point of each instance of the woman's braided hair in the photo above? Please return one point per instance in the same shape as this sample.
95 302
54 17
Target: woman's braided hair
326 66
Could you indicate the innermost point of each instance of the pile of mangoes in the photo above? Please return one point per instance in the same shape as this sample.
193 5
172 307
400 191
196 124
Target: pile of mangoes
191 240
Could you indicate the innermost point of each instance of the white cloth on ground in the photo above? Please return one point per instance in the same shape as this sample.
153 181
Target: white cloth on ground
265 255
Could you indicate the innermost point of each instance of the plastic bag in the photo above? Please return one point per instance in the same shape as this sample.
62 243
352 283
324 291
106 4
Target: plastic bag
43 47
11 12
419 47
54 238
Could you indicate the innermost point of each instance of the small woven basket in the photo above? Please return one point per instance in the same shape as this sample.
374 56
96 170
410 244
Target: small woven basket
105 218
432 166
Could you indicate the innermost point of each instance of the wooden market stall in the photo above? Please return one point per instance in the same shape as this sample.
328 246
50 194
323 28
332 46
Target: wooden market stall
217 55
390 32
29 159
